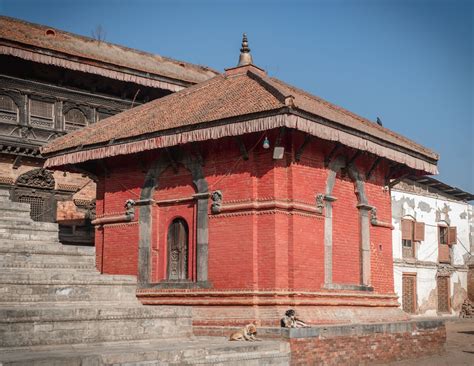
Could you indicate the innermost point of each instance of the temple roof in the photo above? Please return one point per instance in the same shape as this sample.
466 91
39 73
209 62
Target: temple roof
51 46
243 100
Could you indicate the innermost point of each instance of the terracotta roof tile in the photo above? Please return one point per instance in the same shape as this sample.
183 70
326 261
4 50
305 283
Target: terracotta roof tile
33 35
216 99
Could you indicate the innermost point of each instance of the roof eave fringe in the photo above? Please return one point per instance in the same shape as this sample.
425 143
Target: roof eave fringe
240 128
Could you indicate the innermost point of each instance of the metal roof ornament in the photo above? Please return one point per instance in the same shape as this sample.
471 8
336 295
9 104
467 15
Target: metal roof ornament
245 56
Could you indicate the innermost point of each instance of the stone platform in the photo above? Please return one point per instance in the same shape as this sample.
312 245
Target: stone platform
57 309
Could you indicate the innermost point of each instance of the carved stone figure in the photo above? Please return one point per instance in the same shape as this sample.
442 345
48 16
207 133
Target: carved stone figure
216 201
373 216
129 207
37 178
320 202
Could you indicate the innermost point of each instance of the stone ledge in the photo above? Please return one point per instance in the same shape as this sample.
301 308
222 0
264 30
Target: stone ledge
349 330
336 286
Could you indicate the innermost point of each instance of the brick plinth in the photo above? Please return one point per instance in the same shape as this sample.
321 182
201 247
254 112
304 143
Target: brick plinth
227 308
362 343
353 344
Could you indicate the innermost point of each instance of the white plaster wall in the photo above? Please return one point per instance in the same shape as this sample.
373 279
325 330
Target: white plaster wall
432 211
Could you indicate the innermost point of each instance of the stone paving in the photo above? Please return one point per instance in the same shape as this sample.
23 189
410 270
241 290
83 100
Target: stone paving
459 347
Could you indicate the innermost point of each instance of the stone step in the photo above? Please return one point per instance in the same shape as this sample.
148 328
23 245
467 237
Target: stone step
10 206
44 248
46 261
15 216
95 290
196 351
56 326
28 235
15 226
29 276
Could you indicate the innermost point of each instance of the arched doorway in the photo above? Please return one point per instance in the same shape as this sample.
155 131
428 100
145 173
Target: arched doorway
178 249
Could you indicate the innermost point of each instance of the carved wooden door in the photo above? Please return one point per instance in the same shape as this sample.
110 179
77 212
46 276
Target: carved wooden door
178 250
443 294
409 293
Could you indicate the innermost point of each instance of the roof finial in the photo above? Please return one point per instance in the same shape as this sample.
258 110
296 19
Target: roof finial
245 56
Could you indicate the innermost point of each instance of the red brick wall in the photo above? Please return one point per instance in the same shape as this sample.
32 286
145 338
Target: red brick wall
253 249
374 348
346 233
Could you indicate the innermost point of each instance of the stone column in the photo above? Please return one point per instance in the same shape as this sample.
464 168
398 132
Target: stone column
202 236
328 240
364 218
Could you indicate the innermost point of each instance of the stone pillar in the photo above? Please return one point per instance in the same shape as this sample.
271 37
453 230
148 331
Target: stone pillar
202 237
328 240
364 218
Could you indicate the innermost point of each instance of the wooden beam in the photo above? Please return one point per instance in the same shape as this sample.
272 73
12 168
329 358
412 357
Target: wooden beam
17 162
243 149
280 136
300 150
103 166
331 154
392 170
172 160
373 167
398 180
353 159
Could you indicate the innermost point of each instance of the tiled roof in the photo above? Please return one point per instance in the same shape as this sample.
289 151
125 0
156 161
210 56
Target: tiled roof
243 93
51 42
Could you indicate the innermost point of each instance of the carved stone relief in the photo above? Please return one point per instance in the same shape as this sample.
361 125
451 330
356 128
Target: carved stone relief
37 178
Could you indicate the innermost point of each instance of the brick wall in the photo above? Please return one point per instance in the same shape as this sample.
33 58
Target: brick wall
255 248
363 344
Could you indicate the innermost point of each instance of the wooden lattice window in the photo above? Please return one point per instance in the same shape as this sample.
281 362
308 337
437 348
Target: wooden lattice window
178 250
443 294
41 113
409 293
74 119
36 206
8 109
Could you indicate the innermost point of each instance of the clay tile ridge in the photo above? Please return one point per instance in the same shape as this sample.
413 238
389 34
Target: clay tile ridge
228 105
50 42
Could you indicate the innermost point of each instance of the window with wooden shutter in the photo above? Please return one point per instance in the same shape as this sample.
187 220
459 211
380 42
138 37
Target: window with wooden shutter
419 234
74 119
41 113
452 235
8 109
407 229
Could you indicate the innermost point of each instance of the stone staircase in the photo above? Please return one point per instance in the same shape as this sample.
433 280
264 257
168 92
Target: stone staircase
57 309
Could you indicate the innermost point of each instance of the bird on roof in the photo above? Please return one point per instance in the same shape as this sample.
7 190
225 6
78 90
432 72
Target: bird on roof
379 121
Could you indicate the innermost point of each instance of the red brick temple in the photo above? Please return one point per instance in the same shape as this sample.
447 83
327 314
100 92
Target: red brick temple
245 196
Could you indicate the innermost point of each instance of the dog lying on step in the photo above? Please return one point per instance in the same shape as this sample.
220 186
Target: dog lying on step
291 321
247 333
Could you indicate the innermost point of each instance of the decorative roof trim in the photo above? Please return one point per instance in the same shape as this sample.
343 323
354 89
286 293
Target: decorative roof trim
239 128
84 67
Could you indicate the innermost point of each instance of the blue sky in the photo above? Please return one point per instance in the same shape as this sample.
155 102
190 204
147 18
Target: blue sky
408 62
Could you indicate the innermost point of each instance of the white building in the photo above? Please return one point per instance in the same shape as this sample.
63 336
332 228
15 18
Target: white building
432 245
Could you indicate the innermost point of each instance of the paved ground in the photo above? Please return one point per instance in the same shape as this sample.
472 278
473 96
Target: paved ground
459 347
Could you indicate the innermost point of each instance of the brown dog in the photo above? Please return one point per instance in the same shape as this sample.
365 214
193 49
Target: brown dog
247 333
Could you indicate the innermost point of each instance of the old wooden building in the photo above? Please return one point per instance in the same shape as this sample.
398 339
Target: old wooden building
245 196
53 82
